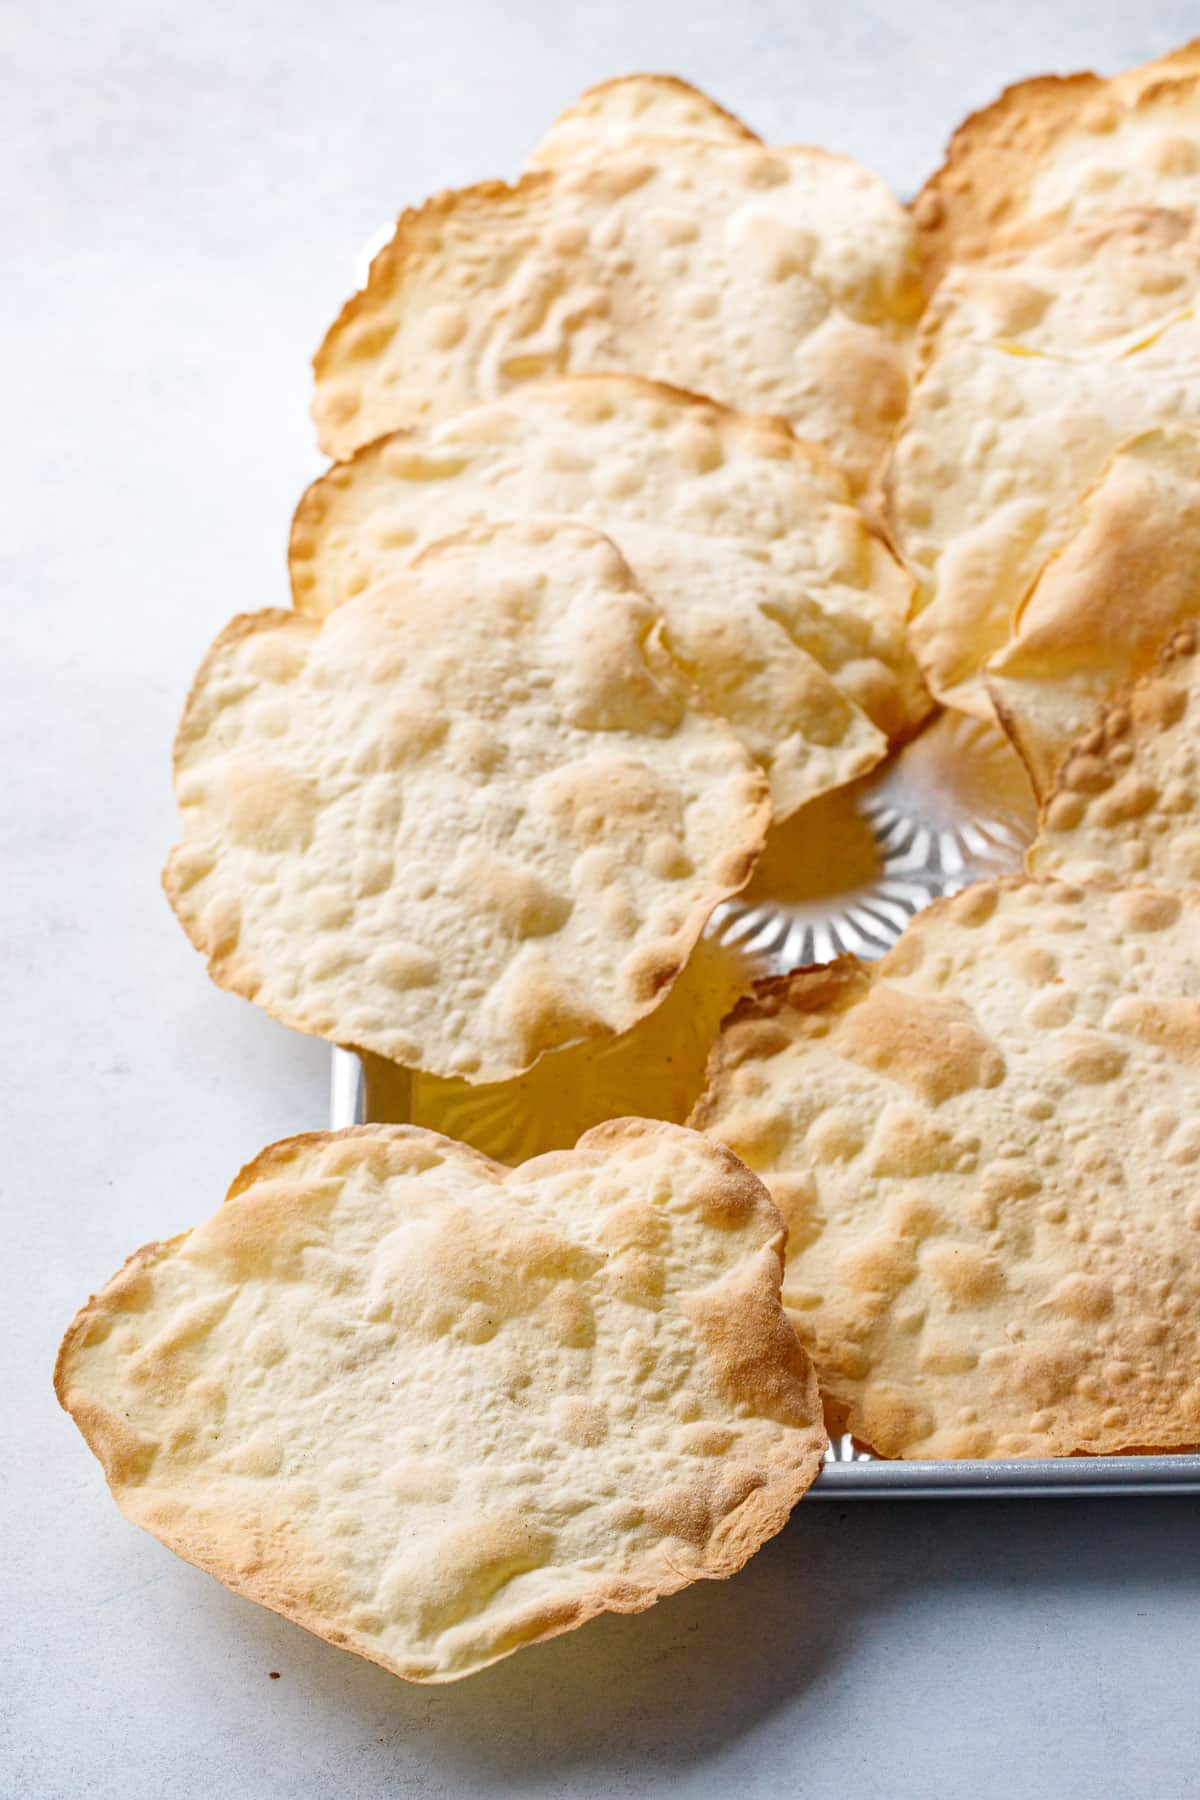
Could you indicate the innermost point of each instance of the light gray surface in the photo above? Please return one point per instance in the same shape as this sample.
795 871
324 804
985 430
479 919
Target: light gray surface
184 189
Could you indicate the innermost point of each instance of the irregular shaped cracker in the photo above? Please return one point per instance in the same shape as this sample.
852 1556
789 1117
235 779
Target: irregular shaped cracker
1125 802
1102 608
1059 151
1035 367
985 1147
788 612
611 115
469 817
433 1409
776 280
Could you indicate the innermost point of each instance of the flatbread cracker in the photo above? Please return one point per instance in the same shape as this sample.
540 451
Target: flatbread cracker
1101 610
1125 802
787 611
471 816
433 1409
1035 368
1059 151
611 115
779 281
985 1148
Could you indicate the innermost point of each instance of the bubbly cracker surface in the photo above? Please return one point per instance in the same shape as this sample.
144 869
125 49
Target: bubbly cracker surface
1035 368
986 1148
1059 151
433 1409
781 281
788 613
1126 803
1104 606
612 115
471 816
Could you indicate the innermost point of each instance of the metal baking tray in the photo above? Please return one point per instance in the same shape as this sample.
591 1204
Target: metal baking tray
847 874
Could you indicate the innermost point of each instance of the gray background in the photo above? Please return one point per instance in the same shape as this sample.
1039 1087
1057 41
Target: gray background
185 190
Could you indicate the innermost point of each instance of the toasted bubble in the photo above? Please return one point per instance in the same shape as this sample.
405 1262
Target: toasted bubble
1125 803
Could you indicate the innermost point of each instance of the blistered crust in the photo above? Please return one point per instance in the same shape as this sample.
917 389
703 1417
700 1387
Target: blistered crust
468 818
1034 368
433 1409
1057 150
984 1148
787 612
1102 608
1123 805
779 280
610 116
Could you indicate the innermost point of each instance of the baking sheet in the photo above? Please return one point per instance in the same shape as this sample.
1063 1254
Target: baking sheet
846 874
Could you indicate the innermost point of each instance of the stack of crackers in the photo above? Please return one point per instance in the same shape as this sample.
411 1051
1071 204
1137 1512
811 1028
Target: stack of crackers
675 485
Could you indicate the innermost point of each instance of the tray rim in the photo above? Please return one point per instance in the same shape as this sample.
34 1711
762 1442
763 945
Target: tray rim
1034 1478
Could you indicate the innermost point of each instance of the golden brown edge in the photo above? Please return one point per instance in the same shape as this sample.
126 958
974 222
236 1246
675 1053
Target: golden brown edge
412 227
741 1532
808 989
675 83
946 210
1012 724
999 146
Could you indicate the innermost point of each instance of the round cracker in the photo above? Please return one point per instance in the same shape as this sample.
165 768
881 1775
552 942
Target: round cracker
1101 610
470 817
779 280
1035 367
433 1409
1059 151
787 611
1124 804
611 115
985 1149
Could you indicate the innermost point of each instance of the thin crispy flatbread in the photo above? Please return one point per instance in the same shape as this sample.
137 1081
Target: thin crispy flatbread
471 816
986 1147
779 281
433 1409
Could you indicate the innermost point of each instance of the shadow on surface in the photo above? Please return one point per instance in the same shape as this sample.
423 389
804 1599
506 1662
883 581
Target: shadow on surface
682 1683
